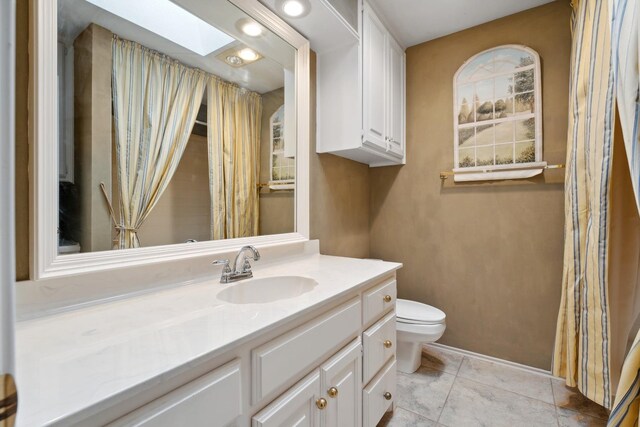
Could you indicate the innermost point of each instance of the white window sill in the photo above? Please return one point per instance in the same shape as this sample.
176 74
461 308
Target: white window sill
498 172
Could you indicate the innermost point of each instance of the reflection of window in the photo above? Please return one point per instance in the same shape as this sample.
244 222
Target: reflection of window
283 169
498 110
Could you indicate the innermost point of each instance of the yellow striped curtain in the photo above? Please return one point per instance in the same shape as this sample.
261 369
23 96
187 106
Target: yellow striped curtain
233 117
582 344
156 100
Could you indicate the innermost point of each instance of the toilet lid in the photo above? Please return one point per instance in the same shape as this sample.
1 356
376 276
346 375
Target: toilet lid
417 313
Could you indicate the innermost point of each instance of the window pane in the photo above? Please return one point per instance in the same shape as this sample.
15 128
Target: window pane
525 103
484 135
524 81
465 114
510 58
503 107
484 89
525 129
503 86
480 67
466 157
276 131
484 110
484 156
465 94
466 137
504 154
504 132
525 152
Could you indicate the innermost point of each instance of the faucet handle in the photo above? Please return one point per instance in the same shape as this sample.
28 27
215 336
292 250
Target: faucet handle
225 263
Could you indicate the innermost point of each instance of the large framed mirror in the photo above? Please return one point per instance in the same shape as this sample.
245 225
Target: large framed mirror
164 129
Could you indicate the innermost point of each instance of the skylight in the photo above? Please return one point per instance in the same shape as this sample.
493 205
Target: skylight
169 21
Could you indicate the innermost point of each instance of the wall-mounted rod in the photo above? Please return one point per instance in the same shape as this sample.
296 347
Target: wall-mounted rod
446 174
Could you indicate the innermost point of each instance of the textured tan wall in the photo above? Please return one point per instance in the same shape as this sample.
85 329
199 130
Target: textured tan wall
488 254
182 212
22 140
93 135
339 201
277 208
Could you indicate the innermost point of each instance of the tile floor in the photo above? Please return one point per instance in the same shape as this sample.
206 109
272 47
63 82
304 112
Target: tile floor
454 390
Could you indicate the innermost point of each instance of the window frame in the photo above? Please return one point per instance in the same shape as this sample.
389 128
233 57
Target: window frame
536 115
279 184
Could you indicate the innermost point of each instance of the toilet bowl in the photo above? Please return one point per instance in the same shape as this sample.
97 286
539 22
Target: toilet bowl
416 324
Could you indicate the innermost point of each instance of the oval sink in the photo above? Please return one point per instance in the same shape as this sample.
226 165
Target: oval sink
267 289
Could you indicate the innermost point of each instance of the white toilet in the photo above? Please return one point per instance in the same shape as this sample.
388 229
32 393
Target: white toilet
416 324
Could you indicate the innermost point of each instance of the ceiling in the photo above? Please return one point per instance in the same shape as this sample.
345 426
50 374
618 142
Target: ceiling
417 21
261 76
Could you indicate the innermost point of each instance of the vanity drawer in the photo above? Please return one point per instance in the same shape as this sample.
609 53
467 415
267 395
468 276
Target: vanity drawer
214 396
378 300
379 342
290 355
375 400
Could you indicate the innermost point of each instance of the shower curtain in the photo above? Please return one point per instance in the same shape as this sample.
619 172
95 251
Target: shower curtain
155 102
233 119
582 343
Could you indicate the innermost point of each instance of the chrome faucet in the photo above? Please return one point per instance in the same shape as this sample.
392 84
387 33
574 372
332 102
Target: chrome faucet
240 270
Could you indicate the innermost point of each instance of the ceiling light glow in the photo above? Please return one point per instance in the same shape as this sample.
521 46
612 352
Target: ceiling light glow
248 54
293 8
252 29
234 60
170 21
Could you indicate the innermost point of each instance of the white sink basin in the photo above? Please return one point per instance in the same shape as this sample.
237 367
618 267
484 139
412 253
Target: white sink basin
267 289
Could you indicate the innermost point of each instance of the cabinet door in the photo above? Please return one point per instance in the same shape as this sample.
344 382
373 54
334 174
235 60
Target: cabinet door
341 379
396 98
213 399
374 77
297 407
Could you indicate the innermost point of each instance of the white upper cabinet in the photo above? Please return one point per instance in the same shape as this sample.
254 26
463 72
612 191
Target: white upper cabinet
374 80
361 97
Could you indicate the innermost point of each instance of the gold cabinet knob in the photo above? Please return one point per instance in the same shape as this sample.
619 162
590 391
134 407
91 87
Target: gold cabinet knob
387 344
321 403
332 392
387 395
387 298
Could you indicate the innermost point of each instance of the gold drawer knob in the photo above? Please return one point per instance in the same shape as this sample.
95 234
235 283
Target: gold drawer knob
332 392
321 403
387 298
387 396
387 344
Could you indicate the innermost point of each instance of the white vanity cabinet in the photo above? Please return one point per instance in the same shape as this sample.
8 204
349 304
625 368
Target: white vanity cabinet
370 130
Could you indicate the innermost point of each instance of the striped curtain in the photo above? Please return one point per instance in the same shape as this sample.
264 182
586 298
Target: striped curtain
625 33
155 101
582 344
233 117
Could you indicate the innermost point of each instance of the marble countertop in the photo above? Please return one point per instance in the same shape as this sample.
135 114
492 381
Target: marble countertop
75 360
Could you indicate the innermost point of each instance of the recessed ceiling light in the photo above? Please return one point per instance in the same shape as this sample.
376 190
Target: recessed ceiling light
234 60
248 54
252 29
293 8
170 21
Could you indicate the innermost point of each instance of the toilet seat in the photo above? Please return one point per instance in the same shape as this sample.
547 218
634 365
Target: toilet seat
415 313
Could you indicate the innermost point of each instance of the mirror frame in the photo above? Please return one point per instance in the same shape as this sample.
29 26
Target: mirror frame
43 105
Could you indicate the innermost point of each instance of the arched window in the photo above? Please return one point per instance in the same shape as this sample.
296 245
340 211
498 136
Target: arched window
497 109
283 168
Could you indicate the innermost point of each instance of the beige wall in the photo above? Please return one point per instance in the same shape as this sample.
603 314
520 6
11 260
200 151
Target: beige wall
339 203
183 210
488 254
277 208
93 135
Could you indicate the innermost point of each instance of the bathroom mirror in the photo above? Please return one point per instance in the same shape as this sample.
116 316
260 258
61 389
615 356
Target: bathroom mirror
165 128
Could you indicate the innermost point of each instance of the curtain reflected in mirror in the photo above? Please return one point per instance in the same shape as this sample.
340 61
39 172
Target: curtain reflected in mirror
176 125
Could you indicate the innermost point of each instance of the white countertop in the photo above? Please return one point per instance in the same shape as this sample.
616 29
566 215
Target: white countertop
71 361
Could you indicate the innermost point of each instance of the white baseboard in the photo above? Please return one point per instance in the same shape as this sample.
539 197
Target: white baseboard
468 353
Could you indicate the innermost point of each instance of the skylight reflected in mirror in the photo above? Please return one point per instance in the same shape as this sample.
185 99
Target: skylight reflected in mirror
170 21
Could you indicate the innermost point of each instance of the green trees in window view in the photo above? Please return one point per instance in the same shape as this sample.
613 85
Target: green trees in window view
527 155
466 162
